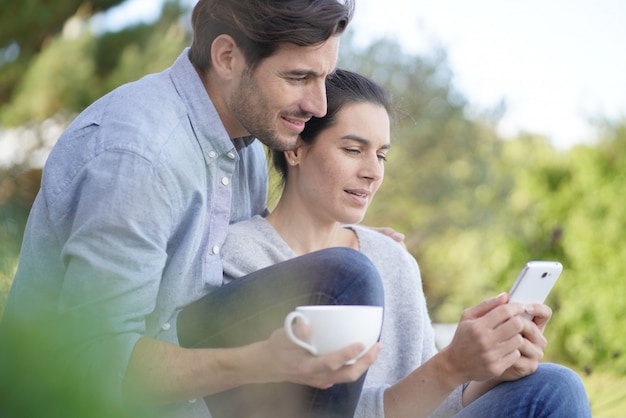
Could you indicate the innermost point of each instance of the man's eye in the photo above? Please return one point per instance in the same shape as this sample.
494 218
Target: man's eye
382 157
352 150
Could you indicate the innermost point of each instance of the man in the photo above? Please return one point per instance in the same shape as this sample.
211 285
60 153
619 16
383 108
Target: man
135 203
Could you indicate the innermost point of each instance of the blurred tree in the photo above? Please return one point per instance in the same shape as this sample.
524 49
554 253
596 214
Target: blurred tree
74 67
592 298
31 24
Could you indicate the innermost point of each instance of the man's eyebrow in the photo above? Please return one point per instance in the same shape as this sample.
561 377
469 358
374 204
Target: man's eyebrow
363 140
299 73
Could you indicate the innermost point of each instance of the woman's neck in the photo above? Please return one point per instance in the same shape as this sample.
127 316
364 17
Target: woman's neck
304 233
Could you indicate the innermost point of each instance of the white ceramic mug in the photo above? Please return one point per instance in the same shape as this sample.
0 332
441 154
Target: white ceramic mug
333 327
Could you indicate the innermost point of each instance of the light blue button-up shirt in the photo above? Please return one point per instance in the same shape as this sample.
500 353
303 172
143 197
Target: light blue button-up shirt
134 207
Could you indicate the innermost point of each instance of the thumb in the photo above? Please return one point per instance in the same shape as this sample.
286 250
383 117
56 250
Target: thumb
301 330
485 306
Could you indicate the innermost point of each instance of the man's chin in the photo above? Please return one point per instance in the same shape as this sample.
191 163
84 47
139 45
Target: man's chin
281 143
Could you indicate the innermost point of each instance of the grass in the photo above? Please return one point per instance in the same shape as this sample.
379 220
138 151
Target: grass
607 394
6 277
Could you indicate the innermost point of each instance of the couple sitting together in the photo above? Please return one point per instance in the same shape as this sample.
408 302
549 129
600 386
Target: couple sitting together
152 276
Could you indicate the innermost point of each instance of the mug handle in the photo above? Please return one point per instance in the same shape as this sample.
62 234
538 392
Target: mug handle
289 330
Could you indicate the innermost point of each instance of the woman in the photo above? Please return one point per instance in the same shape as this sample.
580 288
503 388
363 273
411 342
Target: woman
329 180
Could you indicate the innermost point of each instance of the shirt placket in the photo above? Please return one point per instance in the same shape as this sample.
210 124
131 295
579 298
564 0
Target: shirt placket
222 196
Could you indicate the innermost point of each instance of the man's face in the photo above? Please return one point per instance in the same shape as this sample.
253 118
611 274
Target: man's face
284 91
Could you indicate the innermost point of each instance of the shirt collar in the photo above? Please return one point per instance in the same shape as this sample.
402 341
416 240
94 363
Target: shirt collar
243 141
203 116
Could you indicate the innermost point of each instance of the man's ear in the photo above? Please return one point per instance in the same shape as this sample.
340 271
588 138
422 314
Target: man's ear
224 55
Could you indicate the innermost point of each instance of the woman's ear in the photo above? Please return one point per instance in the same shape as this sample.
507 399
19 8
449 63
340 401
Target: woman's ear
293 155
224 56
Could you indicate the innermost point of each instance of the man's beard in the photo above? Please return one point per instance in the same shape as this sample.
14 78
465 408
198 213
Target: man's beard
249 105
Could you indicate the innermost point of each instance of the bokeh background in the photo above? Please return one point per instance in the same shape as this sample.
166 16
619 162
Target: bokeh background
502 152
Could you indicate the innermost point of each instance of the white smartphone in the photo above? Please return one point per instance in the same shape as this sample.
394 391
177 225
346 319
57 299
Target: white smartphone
534 282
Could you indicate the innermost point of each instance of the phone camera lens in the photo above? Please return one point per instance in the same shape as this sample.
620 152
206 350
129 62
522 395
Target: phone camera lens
543 276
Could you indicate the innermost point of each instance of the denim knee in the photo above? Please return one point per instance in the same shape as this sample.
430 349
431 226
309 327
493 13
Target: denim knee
569 380
566 388
360 282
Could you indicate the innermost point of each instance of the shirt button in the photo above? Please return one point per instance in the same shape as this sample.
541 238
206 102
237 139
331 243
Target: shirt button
216 249
230 155
212 154
192 400
166 326
225 181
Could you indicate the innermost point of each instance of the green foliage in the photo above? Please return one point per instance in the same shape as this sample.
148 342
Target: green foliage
27 26
55 81
593 294
17 191
71 71
32 21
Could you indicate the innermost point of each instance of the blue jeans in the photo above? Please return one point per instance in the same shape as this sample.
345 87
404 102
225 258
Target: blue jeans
552 391
250 308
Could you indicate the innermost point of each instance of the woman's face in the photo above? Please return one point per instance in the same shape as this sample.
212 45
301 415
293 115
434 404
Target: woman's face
338 175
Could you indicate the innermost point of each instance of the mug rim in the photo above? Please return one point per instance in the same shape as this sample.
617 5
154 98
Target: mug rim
340 307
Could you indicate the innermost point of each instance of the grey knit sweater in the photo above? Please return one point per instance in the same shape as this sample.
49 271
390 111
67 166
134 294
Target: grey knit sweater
407 334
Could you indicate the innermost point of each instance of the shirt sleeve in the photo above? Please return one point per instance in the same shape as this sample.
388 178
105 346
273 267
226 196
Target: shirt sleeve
114 253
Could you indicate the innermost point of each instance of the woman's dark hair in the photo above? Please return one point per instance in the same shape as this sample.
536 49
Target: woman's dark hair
342 87
260 26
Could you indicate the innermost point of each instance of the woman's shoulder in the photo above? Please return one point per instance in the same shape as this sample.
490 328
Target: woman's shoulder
251 245
256 223
371 236
253 234
382 248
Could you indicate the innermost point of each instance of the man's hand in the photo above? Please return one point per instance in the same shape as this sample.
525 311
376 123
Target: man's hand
390 232
292 363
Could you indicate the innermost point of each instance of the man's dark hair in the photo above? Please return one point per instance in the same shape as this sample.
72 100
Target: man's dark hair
260 26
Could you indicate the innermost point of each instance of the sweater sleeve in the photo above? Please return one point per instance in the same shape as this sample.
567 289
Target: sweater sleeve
451 405
371 404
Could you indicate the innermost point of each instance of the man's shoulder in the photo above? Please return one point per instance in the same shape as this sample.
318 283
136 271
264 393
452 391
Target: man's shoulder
150 104
138 117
